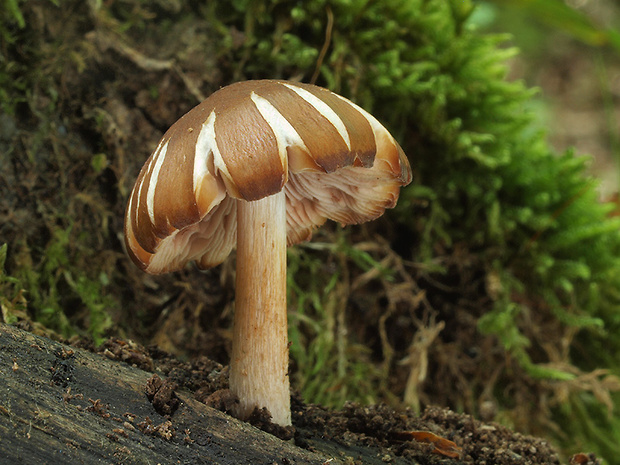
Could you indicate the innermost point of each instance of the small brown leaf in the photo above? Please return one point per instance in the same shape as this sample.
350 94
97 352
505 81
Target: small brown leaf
442 446
584 459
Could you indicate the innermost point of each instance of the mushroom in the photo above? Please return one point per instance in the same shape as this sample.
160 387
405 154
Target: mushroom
259 165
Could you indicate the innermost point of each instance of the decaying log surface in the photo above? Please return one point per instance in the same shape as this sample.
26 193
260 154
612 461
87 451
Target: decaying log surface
60 405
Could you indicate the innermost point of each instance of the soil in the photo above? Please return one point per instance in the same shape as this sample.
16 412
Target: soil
435 436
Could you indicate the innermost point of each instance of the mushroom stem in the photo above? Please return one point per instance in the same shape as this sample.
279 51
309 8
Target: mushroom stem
259 363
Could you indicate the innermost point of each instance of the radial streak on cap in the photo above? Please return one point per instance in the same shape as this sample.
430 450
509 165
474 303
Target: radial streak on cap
376 125
285 133
205 147
150 193
207 143
324 110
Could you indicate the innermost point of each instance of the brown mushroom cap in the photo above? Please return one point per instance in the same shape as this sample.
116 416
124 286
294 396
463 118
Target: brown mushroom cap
248 141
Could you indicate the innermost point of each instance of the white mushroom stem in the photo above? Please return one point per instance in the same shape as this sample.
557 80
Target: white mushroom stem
259 364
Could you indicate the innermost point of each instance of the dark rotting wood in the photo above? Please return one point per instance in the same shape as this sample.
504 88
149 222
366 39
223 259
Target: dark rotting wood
60 405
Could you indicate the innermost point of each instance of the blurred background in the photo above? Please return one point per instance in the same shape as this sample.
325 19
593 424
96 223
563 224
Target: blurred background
570 50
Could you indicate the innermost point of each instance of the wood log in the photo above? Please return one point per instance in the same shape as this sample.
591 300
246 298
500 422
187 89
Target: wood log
62 405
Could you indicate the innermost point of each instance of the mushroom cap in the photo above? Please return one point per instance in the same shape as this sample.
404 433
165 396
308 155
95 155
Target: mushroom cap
250 140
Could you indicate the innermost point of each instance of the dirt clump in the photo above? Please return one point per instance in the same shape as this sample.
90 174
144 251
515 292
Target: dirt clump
437 435
388 429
